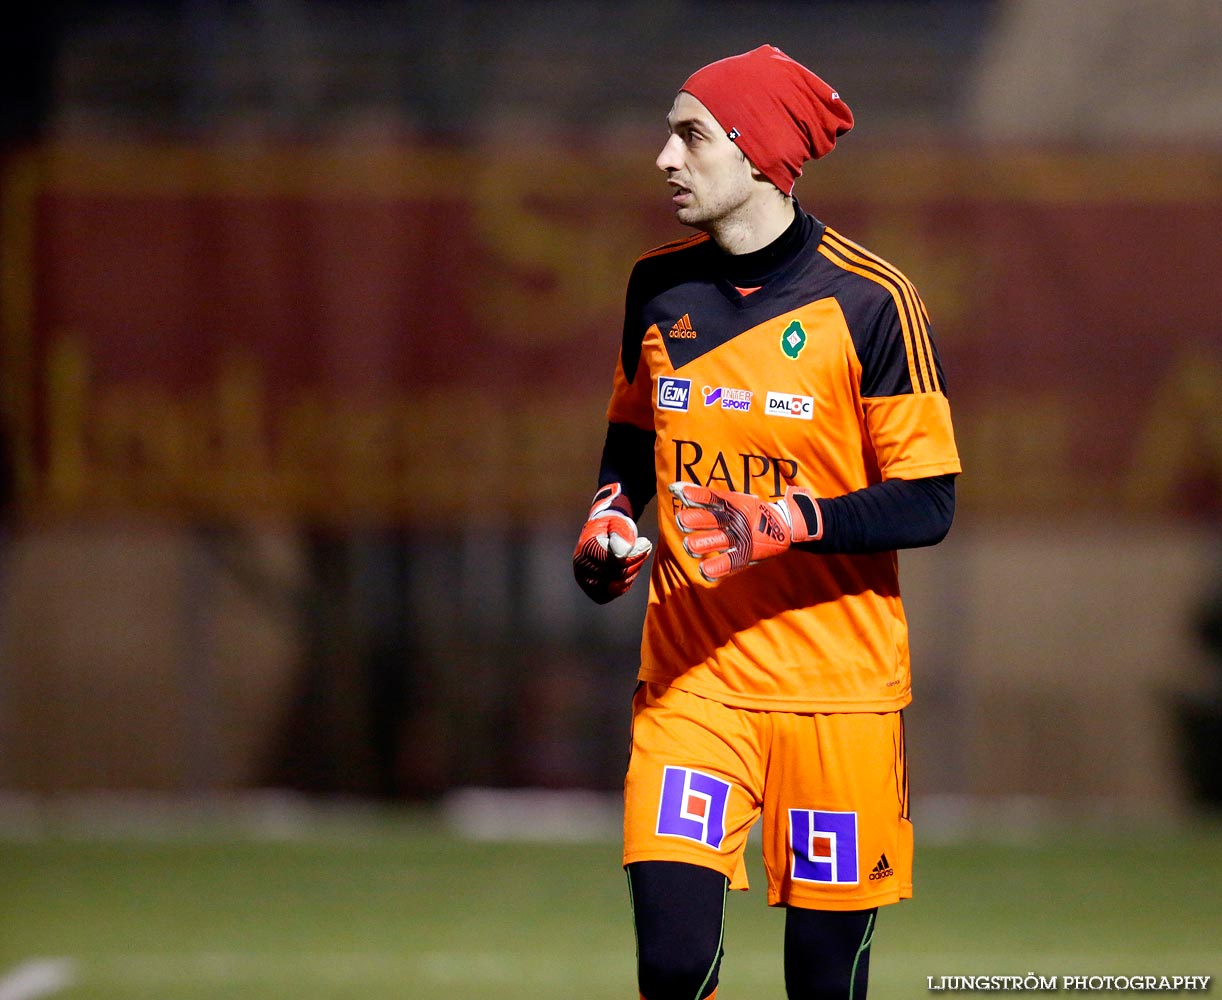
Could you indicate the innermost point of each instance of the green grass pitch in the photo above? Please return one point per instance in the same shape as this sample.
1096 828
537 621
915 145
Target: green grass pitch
396 907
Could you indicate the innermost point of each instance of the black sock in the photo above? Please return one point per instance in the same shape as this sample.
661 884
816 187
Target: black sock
827 953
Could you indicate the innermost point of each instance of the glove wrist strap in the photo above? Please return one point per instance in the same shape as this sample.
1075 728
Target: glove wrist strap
806 520
610 499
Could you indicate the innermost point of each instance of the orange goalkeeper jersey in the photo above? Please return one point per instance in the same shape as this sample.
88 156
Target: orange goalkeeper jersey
826 377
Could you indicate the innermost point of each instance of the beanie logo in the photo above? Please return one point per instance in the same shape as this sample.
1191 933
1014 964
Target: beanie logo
793 340
733 134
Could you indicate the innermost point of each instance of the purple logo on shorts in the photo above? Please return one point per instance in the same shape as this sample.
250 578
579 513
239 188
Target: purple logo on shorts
824 846
693 806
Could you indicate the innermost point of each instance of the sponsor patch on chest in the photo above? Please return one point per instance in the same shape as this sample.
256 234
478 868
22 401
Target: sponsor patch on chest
674 393
727 398
785 404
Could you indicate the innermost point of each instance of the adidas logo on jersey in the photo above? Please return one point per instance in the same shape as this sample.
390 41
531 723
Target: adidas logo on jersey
682 330
881 870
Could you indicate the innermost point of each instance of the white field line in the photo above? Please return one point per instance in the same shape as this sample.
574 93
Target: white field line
488 968
39 977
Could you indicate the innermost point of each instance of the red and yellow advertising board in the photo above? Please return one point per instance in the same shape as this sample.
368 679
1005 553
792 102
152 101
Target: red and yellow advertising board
360 336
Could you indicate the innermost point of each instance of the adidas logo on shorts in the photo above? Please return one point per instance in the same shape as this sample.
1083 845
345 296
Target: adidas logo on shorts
881 870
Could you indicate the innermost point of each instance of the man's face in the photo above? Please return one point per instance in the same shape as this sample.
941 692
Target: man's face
710 178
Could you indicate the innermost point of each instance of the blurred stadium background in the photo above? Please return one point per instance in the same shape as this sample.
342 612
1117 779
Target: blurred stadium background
308 311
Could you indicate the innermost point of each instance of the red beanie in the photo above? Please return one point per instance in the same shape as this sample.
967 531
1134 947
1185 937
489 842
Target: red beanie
778 112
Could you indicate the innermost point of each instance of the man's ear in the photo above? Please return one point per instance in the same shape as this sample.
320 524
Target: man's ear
756 173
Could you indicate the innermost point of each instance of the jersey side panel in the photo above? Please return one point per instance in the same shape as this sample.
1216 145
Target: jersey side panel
631 401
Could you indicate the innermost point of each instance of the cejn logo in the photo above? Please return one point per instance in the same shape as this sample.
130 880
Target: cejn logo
674 393
783 404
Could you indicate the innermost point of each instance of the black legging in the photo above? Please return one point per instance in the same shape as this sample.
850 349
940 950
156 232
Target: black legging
679 913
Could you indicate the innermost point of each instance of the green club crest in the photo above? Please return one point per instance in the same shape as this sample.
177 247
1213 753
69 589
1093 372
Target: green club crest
793 340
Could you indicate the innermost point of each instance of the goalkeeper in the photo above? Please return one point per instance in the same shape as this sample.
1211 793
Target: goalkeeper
778 391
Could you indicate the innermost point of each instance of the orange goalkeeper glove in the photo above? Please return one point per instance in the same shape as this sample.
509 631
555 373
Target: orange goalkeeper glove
609 553
728 531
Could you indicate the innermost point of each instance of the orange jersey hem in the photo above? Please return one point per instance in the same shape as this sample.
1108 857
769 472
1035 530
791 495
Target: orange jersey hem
779 703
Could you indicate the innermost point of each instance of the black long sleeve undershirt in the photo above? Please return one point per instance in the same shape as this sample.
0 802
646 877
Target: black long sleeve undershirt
628 460
895 514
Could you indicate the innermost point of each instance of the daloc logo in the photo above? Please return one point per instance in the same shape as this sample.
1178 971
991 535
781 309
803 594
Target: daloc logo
784 404
673 393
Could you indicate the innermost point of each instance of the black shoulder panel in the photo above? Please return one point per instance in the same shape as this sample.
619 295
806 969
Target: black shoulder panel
672 266
887 321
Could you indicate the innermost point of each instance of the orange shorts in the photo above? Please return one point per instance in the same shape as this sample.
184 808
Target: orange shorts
832 789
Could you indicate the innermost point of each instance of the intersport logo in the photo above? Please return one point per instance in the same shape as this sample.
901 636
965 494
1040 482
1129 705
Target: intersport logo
783 404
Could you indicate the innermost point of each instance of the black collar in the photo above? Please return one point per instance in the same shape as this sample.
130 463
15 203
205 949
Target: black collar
751 270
